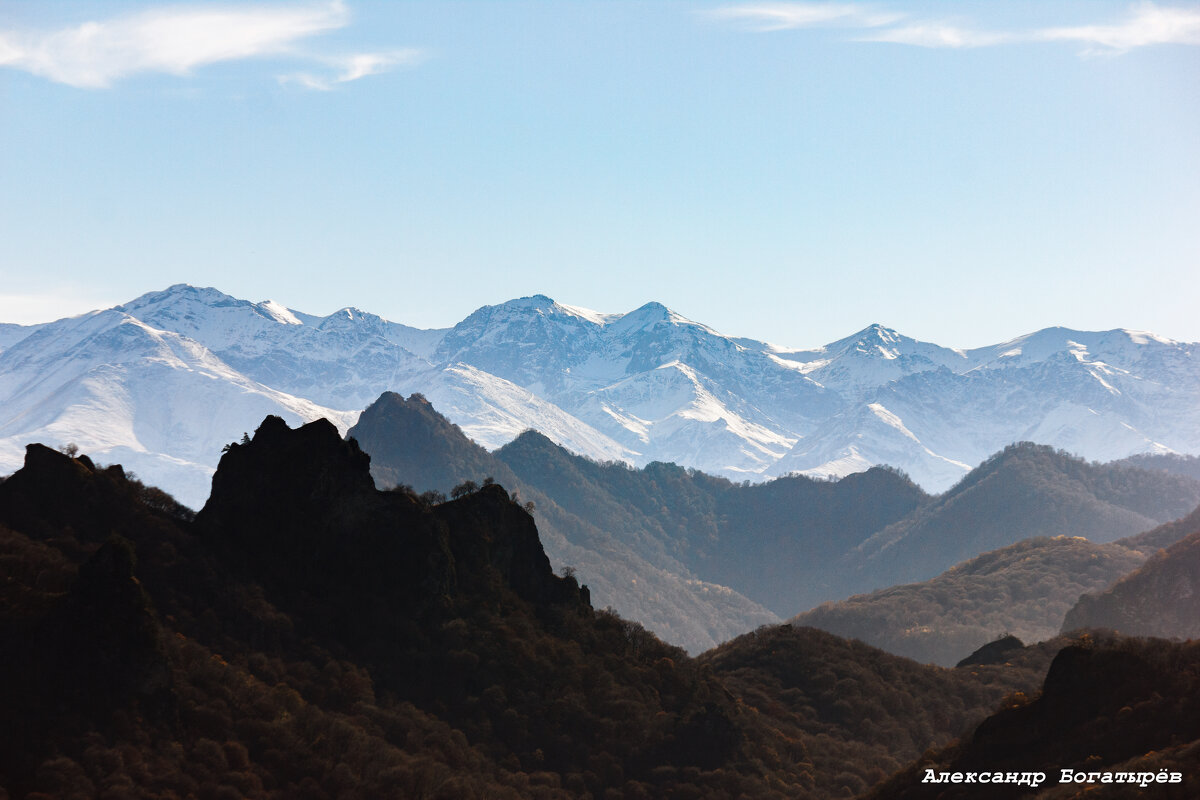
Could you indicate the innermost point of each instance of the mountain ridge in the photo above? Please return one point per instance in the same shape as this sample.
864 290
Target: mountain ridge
646 385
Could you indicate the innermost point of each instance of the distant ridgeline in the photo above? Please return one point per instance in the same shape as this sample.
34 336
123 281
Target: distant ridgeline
681 551
161 382
307 635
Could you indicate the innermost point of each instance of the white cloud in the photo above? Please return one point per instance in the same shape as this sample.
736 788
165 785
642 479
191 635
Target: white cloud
783 16
352 67
937 34
179 39
1148 24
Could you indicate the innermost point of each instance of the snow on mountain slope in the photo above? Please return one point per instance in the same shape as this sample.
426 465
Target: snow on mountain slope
664 387
868 435
123 390
640 386
343 361
672 413
868 359
493 412
11 333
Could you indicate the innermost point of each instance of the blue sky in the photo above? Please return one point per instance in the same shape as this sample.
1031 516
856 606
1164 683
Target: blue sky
964 172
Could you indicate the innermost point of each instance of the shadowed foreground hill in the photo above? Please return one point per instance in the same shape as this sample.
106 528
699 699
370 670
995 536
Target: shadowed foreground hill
308 636
1108 707
858 707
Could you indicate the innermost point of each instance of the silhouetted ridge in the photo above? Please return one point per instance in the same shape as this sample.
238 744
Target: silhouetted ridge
297 509
412 444
512 547
54 491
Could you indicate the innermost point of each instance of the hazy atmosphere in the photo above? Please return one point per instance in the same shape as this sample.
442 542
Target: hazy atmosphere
961 172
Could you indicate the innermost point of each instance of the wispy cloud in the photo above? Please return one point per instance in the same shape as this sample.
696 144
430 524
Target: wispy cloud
351 68
937 34
1145 24
179 39
783 16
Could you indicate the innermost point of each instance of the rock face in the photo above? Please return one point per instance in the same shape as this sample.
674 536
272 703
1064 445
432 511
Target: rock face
1160 598
298 510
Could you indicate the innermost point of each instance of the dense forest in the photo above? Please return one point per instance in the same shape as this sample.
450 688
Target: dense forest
306 635
1175 463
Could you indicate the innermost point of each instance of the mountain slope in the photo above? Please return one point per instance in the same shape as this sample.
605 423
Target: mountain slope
1159 598
123 390
1022 492
1024 590
773 542
624 564
1111 713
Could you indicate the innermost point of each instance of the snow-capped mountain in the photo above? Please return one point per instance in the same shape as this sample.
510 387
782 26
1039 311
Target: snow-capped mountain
154 400
162 382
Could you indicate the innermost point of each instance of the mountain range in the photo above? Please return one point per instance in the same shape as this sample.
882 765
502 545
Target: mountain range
307 635
162 382
697 558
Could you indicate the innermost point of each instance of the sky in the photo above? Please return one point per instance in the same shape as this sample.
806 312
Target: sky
963 172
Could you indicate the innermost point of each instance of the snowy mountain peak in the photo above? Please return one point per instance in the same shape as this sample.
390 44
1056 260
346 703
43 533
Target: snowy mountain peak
538 302
279 313
873 340
1146 337
183 303
651 315
350 315
180 295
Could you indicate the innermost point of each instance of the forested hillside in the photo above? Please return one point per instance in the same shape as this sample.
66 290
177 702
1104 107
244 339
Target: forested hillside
1160 598
1024 590
309 636
1023 492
